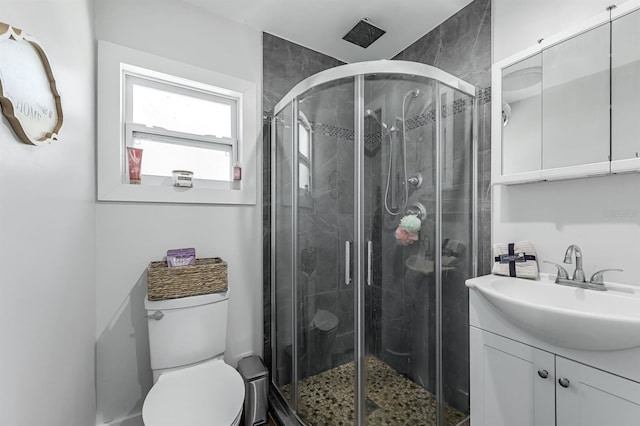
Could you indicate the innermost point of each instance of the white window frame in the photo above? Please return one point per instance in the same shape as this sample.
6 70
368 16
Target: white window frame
179 138
114 132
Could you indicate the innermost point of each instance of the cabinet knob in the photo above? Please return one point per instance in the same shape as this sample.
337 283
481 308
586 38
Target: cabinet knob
543 373
564 382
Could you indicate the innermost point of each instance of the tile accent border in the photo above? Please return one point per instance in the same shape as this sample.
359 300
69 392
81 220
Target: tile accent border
373 140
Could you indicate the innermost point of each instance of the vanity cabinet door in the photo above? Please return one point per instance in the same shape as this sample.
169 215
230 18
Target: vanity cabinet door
625 93
511 383
592 397
575 105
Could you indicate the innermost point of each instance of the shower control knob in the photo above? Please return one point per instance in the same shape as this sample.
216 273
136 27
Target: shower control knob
543 373
157 315
564 382
416 181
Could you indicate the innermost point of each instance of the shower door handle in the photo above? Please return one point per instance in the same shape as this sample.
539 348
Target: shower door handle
370 263
347 262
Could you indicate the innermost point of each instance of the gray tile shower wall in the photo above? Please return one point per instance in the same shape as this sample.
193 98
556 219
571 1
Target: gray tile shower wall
485 257
461 46
285 64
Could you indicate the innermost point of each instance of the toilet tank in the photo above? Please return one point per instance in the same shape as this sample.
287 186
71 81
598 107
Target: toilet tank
192 329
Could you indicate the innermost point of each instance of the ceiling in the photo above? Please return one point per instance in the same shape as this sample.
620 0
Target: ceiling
321 24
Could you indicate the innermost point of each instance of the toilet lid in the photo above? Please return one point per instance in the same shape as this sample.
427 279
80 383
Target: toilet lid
208 394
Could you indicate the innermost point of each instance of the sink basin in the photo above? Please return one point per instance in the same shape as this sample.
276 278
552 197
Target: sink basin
565 316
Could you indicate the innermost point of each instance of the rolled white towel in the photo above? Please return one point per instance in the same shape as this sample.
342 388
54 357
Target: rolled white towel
521 261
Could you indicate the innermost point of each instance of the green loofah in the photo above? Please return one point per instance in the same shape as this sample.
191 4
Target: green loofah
411 223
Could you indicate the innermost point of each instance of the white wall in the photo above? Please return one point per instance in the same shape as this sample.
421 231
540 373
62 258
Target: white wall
130 235
601 215
518 24
47 235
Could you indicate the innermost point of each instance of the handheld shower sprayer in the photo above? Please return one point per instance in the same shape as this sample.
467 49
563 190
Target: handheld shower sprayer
415 93
412 94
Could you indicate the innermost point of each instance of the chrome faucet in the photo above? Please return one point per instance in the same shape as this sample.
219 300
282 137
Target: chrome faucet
578 274
578 280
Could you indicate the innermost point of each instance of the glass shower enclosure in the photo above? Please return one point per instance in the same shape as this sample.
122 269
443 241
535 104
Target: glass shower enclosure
373 236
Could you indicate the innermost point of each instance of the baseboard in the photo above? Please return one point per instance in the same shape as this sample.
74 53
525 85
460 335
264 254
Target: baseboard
131 420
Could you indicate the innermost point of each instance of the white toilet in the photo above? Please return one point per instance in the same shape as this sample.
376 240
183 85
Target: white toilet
192 384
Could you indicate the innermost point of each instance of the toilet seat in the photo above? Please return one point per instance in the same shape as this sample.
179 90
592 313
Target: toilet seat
209 394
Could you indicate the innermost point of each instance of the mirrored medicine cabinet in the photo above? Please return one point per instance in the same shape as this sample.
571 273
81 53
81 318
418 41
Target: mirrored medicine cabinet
569 107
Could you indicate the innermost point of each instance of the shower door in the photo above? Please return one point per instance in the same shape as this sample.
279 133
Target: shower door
413 217
399 318
314 173
372 211
325 214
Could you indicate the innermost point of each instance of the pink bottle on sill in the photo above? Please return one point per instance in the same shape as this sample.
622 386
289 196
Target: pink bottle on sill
134 155
237 172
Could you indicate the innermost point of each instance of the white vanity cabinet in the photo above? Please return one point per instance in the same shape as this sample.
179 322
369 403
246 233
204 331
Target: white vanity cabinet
569 106
594 397
513 383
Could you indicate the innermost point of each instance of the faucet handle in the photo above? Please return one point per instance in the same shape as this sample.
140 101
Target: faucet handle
562 273
598 277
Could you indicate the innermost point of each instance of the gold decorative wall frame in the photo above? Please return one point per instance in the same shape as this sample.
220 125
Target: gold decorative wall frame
28 95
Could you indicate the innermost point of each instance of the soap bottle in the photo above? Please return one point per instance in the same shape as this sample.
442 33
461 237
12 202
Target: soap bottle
237 171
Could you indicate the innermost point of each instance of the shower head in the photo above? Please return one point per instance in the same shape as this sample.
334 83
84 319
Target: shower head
372 114
411 94
364 33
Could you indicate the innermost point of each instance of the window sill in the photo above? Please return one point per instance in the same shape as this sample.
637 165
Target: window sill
167 181
172 194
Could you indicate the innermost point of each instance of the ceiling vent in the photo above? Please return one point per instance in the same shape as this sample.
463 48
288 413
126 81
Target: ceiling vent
364 34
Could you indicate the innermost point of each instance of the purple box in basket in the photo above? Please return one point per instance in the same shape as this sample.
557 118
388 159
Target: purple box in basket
181 257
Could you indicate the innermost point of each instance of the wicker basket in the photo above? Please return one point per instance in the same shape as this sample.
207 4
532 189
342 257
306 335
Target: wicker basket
208 275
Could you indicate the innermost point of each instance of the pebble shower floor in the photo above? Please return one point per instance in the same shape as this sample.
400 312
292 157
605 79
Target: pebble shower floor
327 399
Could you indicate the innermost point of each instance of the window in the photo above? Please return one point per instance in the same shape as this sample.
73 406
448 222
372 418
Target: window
184 118
181 128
